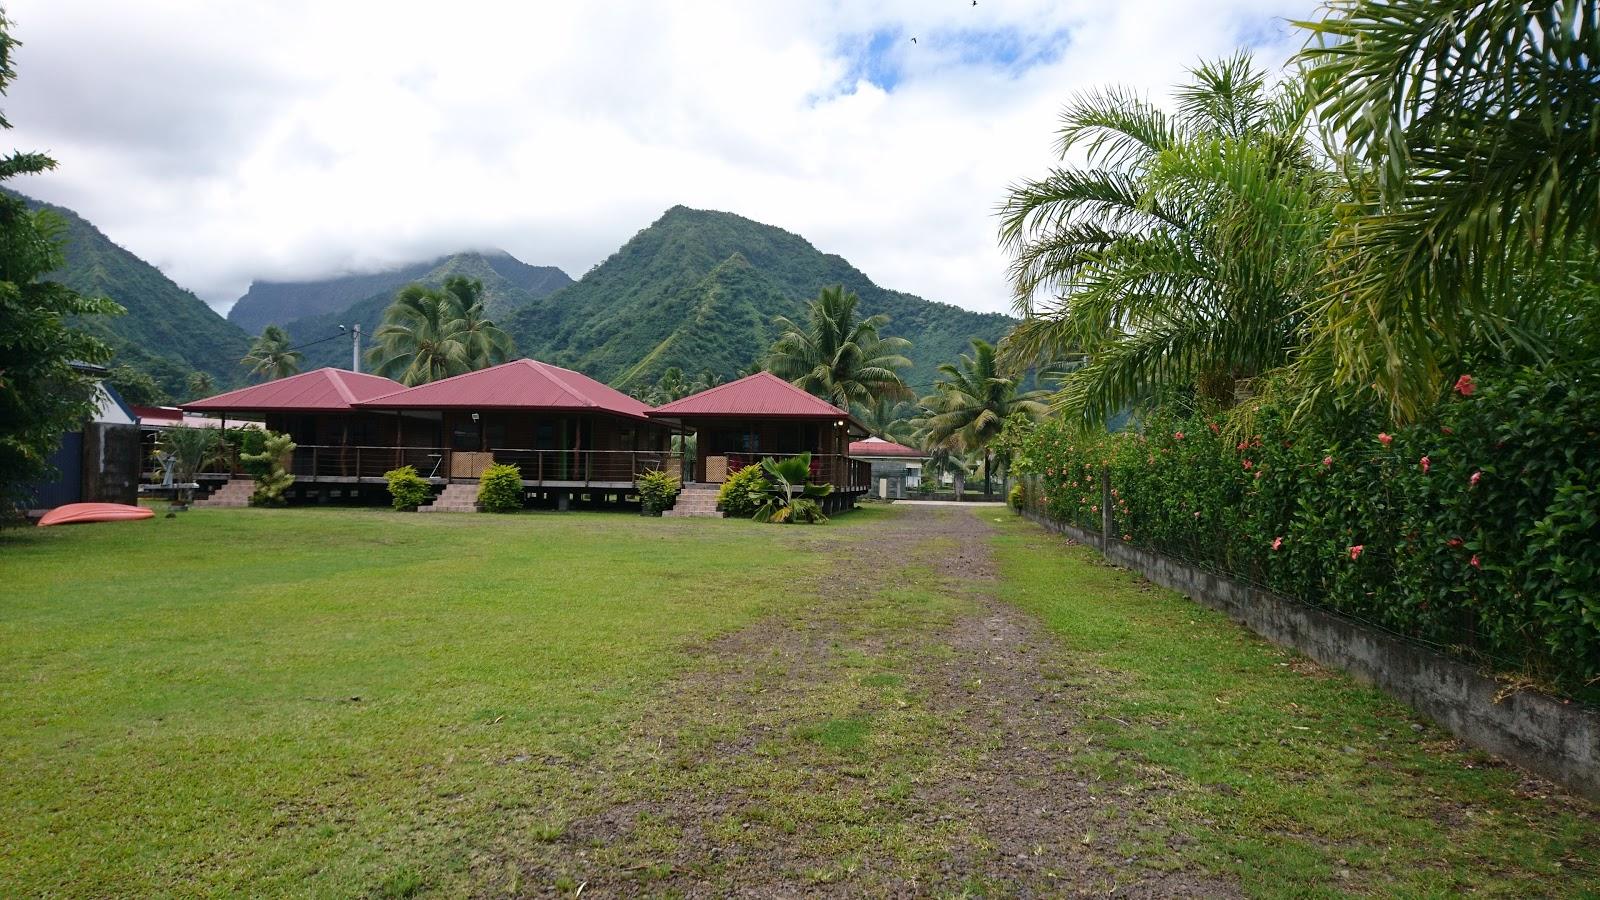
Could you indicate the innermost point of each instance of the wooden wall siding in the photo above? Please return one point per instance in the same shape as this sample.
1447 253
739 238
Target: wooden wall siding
720 437
498 429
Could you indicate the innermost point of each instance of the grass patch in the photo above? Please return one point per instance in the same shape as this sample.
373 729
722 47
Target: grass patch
1292 778
839 735
254 700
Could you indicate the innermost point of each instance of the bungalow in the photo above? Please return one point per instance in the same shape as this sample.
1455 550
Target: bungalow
99 460
568 433
739 423
896 468
572 437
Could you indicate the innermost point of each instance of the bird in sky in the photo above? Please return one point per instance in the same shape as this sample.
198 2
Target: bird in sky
913 40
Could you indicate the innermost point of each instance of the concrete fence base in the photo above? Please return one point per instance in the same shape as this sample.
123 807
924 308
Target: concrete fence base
1558 740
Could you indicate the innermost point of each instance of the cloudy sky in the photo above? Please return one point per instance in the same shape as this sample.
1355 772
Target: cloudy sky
232 141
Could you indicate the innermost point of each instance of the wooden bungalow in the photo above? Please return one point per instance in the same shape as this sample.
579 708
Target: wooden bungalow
563 429
738 423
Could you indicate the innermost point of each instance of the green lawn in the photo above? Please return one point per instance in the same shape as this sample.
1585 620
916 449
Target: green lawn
246 700
1292 778
360 702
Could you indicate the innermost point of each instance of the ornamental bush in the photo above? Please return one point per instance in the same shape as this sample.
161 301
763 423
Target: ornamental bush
657 491
408 489
500 489
1475 529
743 493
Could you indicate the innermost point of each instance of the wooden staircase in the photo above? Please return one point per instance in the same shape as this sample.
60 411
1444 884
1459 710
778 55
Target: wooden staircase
454 498
234 494
697 500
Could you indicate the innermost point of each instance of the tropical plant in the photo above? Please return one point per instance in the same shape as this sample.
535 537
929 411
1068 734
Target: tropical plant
657 491
743 493
407 489
790 497
838 356
888 419
1183 256
971 403
428 334
137 388
190 450
272 466
271 356
42 393
500 489
200 384
1477 126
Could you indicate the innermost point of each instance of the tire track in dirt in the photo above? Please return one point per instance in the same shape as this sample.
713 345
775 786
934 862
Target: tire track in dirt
749 779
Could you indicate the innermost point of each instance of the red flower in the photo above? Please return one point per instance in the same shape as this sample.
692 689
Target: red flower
1355 552
1214 428
1258 474
1242 445
1476 477
1446 429
1454 542
1177 435
1425 463
1277 543
1465 385
1327 461
1385 438
1127 538
1473 562
1247 465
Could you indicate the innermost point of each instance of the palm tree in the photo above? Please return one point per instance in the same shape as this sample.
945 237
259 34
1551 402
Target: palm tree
270 355
484 342
417 342
1183 255
971 403
1480 198
200 384
428 333
839 357
888 419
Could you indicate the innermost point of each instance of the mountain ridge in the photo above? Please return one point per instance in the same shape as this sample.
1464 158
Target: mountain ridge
616 323
167 331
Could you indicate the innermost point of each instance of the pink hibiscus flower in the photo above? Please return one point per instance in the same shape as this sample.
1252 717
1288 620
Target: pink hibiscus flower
1355 552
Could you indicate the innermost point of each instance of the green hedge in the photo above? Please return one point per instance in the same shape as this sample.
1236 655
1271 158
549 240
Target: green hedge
1477 529
743 493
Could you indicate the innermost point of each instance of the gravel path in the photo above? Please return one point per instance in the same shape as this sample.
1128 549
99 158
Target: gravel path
902 733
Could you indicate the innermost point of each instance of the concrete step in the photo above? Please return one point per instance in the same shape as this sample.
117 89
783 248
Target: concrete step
454 498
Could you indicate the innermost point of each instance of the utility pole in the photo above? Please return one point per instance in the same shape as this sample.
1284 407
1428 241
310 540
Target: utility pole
355 348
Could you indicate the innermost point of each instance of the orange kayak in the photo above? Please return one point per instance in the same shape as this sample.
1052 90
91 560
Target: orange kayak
76 513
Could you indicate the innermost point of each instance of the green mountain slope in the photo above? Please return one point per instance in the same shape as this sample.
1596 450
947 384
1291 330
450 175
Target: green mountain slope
280 302
508 284
699 289
168 332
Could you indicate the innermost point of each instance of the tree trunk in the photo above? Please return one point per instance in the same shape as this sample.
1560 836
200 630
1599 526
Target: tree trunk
988 490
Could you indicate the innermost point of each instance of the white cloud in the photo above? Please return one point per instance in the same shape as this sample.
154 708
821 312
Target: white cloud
232 141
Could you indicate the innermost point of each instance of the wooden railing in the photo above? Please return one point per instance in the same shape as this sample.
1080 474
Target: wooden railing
336 461
844 473
586 466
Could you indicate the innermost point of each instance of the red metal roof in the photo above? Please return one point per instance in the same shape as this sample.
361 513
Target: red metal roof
760 395
880 447
320 390
519 384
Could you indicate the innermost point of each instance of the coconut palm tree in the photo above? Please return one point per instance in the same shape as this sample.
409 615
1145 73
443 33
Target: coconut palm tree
971 403
428 333
418 341
839 356
1183 255
271 356
1478 130
484 343
888 419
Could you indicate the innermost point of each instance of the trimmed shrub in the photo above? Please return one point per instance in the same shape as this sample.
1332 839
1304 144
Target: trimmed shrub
1475 529
500 489
1016 497
408 489
271 469
743 493
657 491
